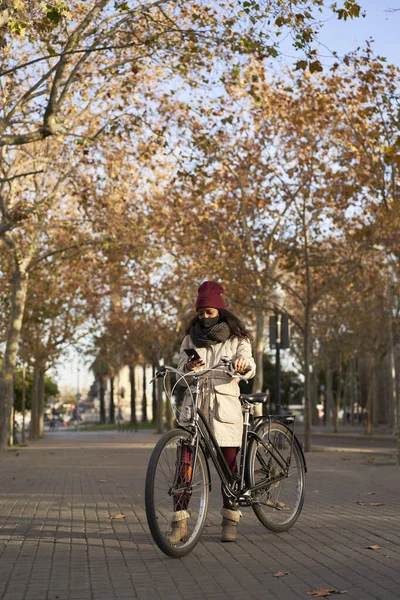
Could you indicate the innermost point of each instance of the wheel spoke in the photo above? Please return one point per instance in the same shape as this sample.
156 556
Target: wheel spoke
278 504
169 489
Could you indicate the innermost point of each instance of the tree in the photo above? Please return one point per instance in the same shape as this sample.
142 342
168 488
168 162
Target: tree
231 185
18 18
51 389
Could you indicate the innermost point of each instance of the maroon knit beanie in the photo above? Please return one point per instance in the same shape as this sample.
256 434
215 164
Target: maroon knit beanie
210 296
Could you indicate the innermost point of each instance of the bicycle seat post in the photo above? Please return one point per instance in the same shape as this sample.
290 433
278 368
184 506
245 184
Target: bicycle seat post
247 409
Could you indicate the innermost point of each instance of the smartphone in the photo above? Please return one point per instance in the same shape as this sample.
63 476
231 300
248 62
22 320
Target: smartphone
192 353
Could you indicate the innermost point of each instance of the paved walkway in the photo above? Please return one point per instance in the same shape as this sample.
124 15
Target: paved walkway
63 536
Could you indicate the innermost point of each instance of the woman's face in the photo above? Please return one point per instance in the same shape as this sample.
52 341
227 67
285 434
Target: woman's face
207 313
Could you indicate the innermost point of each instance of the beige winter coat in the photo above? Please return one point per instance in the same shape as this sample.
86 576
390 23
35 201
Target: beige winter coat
219 393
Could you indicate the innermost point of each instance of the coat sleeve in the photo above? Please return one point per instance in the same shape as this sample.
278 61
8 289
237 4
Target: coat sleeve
183 357
244 351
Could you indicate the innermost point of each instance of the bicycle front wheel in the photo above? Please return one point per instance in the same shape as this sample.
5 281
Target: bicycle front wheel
277 505
176 494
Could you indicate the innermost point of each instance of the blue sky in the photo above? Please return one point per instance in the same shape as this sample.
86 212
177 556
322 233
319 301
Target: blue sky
379 24
342 36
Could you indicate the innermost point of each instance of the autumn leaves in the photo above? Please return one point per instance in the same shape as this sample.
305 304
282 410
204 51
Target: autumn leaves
145 149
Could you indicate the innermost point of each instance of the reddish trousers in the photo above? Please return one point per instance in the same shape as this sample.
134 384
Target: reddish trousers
181 501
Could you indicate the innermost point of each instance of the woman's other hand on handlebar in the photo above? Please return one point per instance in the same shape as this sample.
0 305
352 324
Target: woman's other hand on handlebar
240 365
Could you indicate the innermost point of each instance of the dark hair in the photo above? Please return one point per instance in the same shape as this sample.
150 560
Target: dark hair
236 326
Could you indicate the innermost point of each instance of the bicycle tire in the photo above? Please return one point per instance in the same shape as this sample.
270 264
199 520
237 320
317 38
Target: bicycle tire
279 505
162 474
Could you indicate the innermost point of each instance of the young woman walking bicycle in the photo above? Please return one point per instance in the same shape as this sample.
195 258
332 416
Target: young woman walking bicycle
214 333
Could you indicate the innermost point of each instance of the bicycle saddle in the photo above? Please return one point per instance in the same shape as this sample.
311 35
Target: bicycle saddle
257 397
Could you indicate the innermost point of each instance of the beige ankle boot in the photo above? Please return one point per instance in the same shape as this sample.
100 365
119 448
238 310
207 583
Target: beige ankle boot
179 526
230 520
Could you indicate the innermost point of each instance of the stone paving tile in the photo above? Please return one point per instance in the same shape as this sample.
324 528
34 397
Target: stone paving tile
58 540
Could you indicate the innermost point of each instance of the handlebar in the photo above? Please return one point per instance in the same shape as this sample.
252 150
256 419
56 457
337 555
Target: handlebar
224 362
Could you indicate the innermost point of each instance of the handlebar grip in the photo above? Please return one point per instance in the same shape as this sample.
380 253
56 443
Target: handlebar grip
160 373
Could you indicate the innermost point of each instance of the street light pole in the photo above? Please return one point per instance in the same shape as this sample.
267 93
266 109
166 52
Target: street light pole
278 362
280 327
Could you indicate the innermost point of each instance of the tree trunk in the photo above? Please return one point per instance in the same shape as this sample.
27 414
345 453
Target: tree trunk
112 405
398 426
12 440
154 396
102 401
371 386
23 404
160 406
133 394
328 395
41 402
314 378
144 398
34 427
168 409
376 395
393 398
347 391
307 382
338 394
18 299
259 355
37 412
354 390
307 335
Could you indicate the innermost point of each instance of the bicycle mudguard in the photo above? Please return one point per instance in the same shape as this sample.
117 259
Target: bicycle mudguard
281 421
205 451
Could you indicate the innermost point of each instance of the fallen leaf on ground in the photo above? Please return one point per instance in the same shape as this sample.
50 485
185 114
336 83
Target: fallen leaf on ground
373 547
118 517
102 481
323 592
277 504
281 573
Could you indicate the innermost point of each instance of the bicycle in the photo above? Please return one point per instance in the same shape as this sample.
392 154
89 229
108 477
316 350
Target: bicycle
270 478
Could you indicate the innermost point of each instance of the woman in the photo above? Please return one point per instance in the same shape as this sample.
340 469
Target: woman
216 332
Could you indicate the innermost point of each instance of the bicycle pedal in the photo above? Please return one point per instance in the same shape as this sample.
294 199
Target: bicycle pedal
245 501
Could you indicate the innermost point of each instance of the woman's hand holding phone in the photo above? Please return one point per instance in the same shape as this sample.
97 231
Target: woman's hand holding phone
194 359
192 363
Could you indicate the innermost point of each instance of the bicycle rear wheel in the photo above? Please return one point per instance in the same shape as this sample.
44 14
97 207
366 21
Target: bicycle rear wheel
278 505
177 483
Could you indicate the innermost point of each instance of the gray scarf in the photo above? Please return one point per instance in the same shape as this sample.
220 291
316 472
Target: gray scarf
202 337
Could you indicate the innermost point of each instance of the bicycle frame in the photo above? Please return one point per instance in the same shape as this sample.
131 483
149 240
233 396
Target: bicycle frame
231 481
234 484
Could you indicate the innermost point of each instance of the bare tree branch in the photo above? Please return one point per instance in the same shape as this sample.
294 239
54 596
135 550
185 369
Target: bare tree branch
20 175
